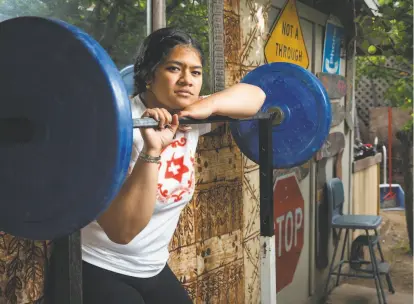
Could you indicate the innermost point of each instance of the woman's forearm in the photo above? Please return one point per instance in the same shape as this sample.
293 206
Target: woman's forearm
132 208
239 101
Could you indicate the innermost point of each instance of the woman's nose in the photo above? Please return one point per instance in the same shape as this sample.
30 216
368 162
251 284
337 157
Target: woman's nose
186 79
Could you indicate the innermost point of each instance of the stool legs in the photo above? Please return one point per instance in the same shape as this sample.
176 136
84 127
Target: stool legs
342 257
387 275
376 273
331 267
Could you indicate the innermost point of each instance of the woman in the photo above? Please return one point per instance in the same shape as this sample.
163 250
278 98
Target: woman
125 251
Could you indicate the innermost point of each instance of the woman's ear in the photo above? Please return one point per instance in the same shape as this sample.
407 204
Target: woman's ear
148 82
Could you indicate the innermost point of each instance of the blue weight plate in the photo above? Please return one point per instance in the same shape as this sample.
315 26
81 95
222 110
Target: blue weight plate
307 111
127 75
66 85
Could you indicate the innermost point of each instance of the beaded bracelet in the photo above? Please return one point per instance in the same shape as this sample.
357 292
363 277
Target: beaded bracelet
149 159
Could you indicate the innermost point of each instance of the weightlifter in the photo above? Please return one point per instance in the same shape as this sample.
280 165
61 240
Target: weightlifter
125 251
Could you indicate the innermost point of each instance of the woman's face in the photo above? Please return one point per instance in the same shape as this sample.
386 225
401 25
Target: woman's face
177 81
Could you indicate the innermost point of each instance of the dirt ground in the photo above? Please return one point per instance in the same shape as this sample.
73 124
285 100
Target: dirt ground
395 247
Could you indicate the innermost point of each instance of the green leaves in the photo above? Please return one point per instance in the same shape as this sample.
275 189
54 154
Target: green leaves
192 16
384 2
118 25
389 30
398 76
391 35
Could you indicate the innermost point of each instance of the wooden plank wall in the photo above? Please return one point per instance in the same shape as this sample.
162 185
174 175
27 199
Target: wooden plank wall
365 192
215 249
206 254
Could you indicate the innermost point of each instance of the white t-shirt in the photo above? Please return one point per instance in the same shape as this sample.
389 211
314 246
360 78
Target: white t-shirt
147 254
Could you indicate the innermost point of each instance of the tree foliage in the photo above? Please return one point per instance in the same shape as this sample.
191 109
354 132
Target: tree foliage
118 25
386 33
192 16
389 33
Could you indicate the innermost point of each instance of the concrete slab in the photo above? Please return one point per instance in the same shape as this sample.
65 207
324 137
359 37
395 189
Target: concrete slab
354 294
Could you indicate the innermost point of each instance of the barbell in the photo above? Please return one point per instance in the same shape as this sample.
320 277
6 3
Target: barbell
66 125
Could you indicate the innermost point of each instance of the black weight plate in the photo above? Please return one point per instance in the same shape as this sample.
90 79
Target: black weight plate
307 114
63 82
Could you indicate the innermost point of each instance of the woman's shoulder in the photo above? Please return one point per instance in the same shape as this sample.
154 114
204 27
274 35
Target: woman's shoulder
137 106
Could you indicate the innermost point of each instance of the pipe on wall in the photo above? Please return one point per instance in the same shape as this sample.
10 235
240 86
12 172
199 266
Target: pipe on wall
149 17
159 19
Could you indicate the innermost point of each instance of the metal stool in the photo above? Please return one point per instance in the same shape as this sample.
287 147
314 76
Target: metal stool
371 269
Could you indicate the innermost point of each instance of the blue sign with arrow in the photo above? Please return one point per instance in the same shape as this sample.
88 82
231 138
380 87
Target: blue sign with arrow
332 50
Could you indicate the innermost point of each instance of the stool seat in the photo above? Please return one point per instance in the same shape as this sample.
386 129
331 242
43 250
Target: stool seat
356 221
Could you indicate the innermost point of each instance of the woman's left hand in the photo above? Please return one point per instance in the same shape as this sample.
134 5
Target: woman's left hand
199 110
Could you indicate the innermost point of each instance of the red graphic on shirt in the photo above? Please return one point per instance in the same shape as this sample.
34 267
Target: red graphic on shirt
176 168
178 197
190 181
177 194
164 193
179 142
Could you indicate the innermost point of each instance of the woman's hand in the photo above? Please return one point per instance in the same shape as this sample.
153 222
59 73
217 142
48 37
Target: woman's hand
239 101
156 139
201 109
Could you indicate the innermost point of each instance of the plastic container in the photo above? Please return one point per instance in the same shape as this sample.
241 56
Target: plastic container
399 197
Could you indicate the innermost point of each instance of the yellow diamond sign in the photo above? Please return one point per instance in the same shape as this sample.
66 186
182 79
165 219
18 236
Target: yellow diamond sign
286 41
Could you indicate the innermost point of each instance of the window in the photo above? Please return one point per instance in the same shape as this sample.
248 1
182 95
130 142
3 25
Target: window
118 25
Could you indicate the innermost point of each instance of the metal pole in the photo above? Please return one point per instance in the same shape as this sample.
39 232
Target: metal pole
64 281
149 17
267 237
384 160
158 14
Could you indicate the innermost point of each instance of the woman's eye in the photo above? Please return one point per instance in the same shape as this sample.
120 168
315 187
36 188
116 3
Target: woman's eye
198 73
173 69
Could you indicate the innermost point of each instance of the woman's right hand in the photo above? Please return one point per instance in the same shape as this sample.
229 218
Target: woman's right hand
156 139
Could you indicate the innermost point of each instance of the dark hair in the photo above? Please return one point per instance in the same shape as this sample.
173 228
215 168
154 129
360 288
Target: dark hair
154 49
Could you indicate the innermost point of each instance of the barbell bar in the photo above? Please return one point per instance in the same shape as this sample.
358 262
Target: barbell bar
75 116
20 130
147 122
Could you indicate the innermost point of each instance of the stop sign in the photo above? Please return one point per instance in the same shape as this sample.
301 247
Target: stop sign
288 206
